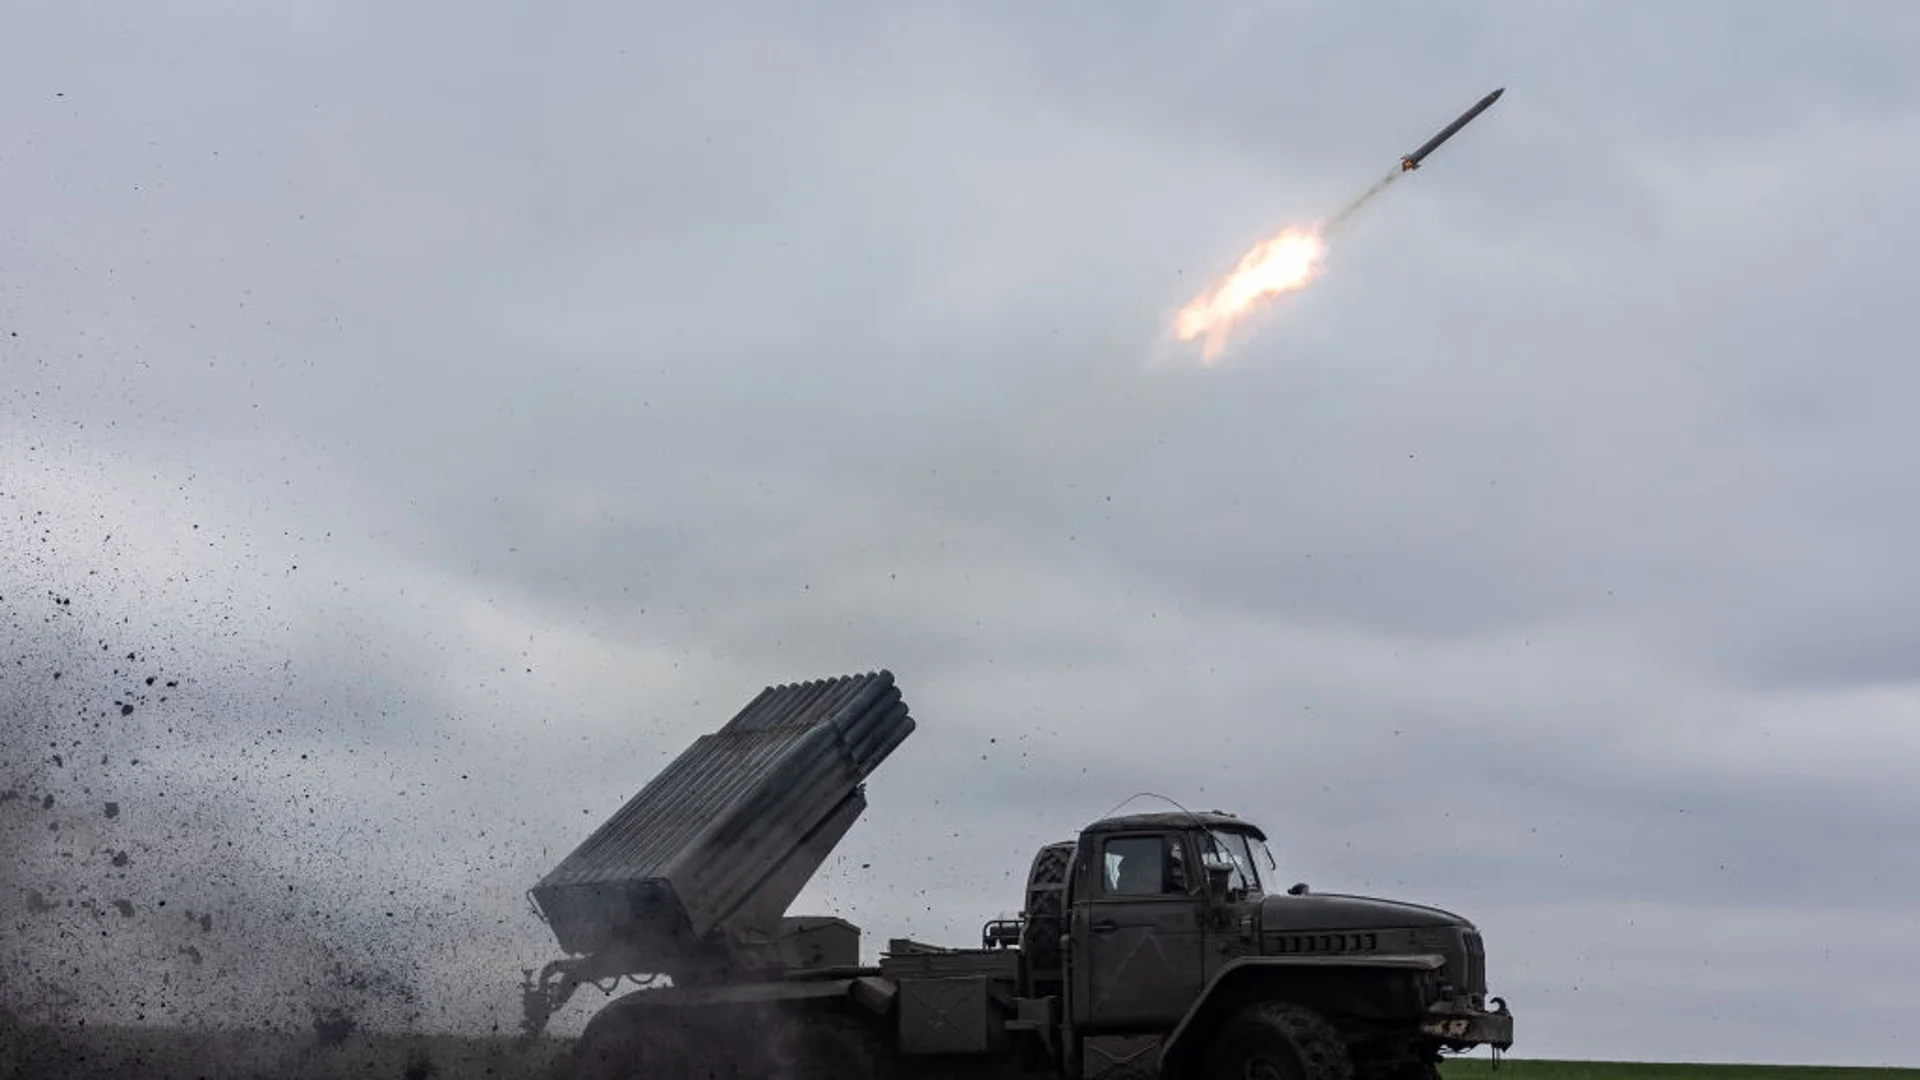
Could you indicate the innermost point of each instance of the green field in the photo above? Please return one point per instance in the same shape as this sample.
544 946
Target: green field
1510 1069
100 1053
97 1053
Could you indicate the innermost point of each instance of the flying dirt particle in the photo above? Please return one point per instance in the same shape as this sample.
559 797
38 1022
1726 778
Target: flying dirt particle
58 762
113 809
46 803
125 907
192 954
206 923
126 709
121 858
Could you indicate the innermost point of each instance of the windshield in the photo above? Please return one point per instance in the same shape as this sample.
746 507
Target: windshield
1232 847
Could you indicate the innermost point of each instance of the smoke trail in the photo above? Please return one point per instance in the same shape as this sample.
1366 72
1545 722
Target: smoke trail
1353 207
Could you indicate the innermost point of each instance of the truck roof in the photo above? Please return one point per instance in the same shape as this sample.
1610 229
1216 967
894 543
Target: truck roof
1176 819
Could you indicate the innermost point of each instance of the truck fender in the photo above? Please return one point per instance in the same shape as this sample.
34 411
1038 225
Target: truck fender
874 993
1388 962
756 993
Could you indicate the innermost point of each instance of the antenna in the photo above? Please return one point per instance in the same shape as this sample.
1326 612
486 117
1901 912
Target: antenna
1152 795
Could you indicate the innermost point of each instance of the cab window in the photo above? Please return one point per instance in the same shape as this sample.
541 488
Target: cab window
1231 849
1145 866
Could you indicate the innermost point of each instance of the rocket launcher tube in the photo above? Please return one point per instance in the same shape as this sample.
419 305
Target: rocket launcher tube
729 833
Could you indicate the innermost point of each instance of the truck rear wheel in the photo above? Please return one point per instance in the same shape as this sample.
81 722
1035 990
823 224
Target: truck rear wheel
1277 1041
637 1040
829 1044
627 1044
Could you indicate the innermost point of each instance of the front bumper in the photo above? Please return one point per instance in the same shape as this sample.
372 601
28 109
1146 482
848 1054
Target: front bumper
1466 1026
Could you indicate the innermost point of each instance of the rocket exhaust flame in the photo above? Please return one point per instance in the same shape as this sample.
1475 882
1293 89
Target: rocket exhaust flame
1288 260
1279 264
1282 263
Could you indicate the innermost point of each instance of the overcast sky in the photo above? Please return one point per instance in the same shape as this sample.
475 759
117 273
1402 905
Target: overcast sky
456 409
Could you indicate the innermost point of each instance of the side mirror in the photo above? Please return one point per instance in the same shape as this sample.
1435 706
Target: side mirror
1219 879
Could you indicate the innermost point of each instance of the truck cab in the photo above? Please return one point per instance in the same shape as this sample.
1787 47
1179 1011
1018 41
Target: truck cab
1160 903
1176 937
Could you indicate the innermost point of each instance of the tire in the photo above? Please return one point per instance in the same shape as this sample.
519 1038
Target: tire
1046 889
1277 1041
616 1045
637 1040
829 1044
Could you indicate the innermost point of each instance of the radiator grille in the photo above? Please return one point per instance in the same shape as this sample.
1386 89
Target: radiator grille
1476 973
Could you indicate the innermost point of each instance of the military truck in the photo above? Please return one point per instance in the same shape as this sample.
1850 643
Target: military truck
1150 945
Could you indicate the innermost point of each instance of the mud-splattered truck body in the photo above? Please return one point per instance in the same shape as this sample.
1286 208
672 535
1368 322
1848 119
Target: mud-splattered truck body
1152 945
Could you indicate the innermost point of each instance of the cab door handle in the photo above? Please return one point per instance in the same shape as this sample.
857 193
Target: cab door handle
1104 926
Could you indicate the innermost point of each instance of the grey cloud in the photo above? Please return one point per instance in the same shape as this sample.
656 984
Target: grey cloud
1542 559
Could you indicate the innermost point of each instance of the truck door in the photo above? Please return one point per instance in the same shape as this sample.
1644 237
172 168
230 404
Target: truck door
1138 937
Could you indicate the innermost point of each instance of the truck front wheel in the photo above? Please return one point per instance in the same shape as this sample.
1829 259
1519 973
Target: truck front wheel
1277 1041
